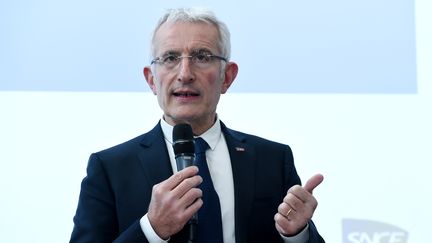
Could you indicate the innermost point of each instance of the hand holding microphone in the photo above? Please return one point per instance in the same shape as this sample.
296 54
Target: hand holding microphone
176 200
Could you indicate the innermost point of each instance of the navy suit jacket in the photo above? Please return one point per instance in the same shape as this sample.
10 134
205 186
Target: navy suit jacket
116 192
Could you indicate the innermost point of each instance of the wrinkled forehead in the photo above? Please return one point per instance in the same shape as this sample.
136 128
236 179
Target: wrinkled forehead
185 37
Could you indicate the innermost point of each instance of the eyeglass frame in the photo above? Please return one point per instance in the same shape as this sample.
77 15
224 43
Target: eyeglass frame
160 60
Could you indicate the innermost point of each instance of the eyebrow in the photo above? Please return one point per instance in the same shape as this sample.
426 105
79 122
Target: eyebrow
170 52
201 51
193 52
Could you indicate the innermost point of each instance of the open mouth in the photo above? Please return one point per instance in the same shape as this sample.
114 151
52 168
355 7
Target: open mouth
185 94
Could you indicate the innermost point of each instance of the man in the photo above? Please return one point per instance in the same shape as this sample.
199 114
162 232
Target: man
133 192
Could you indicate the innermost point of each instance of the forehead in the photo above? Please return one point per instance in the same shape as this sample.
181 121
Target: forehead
186 37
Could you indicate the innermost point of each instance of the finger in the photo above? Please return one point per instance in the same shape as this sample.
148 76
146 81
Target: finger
278 227
178 177
285 226
186 185
294 202
284 209
281 223
299 193
193 208
301 201
313 182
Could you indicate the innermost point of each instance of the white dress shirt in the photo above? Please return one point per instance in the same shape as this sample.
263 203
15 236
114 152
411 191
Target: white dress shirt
219 164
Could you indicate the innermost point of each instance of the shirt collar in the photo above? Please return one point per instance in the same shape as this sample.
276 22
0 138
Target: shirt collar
211 136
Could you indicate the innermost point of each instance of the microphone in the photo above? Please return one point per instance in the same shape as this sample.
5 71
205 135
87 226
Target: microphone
184 150
183 144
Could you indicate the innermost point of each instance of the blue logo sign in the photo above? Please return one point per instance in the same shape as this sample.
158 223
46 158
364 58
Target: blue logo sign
368 231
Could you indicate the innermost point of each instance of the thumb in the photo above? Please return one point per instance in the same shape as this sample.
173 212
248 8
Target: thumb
313 182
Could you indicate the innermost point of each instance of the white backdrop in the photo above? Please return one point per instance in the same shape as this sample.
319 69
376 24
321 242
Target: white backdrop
373 149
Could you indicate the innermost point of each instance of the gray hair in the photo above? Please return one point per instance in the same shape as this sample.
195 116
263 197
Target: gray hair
196 15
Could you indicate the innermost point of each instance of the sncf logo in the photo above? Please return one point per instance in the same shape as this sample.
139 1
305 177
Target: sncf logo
367 231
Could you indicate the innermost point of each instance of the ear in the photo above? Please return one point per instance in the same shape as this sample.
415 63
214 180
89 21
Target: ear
150 79
231 70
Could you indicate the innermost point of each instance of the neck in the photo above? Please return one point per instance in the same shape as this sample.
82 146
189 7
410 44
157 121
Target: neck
198 126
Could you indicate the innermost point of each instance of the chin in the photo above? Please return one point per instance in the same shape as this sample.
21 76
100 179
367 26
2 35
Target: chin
182 117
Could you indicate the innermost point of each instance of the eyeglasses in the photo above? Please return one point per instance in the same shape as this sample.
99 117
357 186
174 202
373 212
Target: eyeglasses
201 60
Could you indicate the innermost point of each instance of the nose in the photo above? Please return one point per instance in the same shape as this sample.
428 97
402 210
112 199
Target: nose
185 73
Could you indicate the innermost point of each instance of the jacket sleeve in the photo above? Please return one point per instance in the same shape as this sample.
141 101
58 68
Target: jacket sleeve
314 236
96 218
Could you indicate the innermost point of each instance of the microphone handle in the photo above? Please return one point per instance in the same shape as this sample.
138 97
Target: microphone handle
193 223
183 161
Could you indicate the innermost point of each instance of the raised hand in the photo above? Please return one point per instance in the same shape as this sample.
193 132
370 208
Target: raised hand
297 207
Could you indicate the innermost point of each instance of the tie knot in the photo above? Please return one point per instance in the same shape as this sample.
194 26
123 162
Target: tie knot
200 145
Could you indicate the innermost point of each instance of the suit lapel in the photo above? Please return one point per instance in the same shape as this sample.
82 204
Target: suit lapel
154 156
243 167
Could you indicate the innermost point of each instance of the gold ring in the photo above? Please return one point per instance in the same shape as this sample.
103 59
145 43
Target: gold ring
288 213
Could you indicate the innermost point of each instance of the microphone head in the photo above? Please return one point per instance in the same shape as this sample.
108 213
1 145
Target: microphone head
183 141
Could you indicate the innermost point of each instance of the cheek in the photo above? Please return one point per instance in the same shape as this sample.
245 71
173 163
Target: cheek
215 90
217 81
160 87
